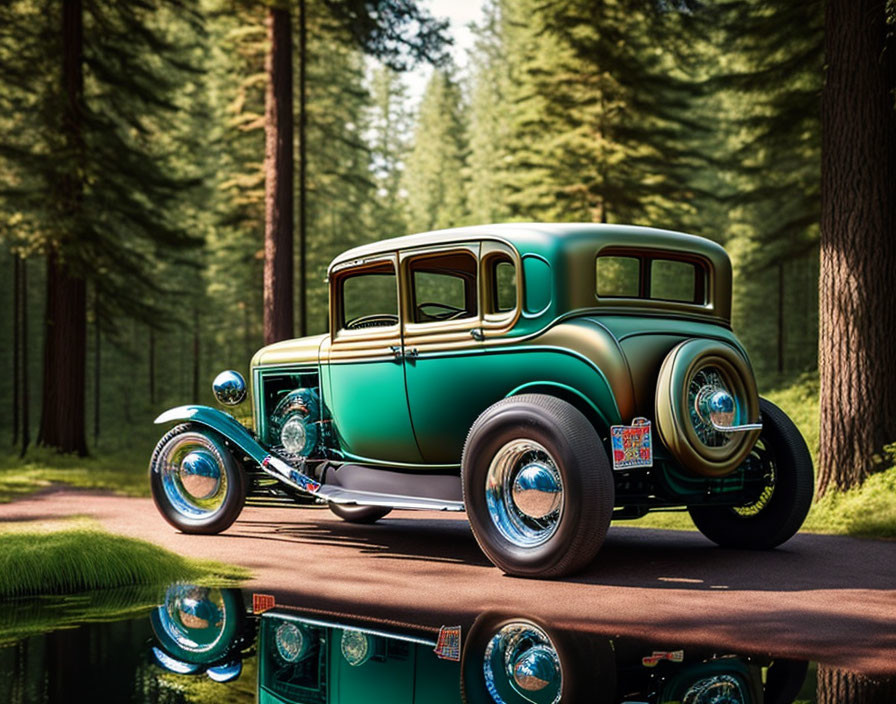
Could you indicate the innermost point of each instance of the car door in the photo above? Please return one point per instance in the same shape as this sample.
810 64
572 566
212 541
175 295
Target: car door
364 369
441 310
456 366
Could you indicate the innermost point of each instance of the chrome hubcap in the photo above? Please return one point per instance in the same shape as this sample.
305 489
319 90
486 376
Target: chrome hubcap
521 664
710 400
524 493
193 476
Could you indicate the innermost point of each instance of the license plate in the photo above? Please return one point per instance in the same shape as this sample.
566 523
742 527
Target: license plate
632 445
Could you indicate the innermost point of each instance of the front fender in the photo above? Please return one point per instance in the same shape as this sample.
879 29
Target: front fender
222 422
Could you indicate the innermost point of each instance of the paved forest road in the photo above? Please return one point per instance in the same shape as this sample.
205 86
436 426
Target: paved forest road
821 597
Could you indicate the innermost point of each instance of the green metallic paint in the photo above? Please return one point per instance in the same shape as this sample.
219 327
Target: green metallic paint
222 422
369 410
447 391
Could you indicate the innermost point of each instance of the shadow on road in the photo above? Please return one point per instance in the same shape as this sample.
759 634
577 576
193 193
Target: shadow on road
630 557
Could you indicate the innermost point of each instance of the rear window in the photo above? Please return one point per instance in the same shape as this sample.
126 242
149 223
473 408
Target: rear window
652 277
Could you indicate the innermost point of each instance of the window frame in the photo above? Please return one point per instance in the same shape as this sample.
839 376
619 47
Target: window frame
702 276
466 323
337 307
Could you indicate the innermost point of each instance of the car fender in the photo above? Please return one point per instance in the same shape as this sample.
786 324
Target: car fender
222 422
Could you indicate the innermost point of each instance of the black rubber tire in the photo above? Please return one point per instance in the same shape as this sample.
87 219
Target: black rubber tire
359 514
784 681
587 661
788 505
233 503
584 469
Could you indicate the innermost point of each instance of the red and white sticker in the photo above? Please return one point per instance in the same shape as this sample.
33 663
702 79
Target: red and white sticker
670 655
448 645
632 445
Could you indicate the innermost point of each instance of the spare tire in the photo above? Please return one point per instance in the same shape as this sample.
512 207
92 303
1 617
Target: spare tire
690 372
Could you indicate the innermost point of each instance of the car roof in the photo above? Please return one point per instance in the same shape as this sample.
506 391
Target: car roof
546 240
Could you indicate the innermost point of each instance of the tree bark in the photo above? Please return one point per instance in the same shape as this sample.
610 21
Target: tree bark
278 169
65 341
25 400
152 366
857 351
96 368
16 345
303 170
195 355
840 687
780 349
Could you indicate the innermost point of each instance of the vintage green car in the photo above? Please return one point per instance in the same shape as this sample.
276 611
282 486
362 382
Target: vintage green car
545 379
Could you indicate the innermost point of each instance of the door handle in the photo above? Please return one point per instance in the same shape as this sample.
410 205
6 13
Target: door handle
411 353
396 352
477 334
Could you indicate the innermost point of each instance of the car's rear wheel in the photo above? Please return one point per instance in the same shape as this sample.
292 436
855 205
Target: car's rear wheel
522 660
196 483
538 488
778 510
359 514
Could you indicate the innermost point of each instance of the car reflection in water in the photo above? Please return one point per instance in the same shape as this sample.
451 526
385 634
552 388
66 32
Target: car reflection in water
328 658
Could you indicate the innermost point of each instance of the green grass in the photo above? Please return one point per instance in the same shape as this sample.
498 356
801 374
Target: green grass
120 472
35 562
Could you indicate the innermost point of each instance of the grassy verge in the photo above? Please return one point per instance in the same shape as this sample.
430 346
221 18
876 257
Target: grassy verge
41 467
70 560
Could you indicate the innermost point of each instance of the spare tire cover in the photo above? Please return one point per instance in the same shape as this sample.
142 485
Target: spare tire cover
691 370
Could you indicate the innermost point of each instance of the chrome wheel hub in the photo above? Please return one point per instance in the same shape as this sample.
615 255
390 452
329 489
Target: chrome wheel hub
521 664
193 476
710 401
524 493
193 617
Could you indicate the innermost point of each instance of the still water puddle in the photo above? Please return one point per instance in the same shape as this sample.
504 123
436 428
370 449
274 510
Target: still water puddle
202 645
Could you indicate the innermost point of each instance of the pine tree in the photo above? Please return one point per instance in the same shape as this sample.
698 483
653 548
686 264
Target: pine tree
434 174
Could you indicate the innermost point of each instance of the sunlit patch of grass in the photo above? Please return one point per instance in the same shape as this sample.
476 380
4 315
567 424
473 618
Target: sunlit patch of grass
868 510
41 467
36 561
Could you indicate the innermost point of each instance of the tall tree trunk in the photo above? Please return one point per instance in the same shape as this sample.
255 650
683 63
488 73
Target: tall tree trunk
196 355
16 345
152 366
303 170
25 400
840 687
857 352
278 170
780 350
96 367
65 341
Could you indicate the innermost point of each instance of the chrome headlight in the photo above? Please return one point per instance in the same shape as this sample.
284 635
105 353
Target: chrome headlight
229 388
356 647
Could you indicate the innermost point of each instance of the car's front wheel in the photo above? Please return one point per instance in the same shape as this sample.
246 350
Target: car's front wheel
538 488
779 508
196 483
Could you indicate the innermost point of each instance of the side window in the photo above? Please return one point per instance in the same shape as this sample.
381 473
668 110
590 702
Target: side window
618 276
503 274
370 298
672 280
444 287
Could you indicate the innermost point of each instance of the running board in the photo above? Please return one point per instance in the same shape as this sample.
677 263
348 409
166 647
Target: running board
297 479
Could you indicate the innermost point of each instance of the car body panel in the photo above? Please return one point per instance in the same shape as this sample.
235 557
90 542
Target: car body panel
220 421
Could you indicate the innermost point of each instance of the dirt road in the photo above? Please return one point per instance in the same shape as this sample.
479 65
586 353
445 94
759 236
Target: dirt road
820 597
